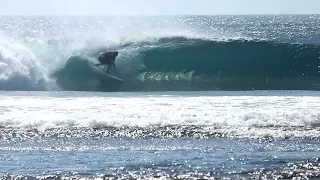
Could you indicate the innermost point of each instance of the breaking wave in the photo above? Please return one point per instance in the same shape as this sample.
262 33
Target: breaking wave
180 63
157 54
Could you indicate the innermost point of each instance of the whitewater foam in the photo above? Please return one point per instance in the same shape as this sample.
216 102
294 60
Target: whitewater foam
31 55
243 116
19 67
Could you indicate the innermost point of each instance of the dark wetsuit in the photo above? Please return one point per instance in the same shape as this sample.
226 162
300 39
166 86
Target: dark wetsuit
107 58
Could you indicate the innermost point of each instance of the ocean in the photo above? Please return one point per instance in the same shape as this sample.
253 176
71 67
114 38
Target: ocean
203 97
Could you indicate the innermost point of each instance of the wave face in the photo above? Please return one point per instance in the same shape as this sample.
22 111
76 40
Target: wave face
162 53
235 64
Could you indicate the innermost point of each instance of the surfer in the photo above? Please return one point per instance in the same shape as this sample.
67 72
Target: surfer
107 58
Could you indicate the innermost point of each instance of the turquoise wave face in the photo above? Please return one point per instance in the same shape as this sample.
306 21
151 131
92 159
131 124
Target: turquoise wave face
239 58
180 63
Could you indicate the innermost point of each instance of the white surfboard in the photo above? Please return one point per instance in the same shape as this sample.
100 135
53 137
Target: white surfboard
104 74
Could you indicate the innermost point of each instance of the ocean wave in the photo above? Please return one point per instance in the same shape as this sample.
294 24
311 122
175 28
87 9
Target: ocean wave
180 63
165 63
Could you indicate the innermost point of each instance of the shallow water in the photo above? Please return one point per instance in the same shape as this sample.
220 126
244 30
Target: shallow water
217 134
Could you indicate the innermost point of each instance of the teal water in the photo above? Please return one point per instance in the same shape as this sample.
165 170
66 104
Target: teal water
159 135
161 53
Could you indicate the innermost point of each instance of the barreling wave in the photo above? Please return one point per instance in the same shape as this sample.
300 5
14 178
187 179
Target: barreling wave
181 63
162 64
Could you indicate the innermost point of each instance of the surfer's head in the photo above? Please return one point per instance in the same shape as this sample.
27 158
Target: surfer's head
113 53
110 54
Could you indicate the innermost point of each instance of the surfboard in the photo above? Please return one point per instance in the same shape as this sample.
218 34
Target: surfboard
104 74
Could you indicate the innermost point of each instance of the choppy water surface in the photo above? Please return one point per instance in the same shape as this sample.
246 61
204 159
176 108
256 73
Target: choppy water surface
186 135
